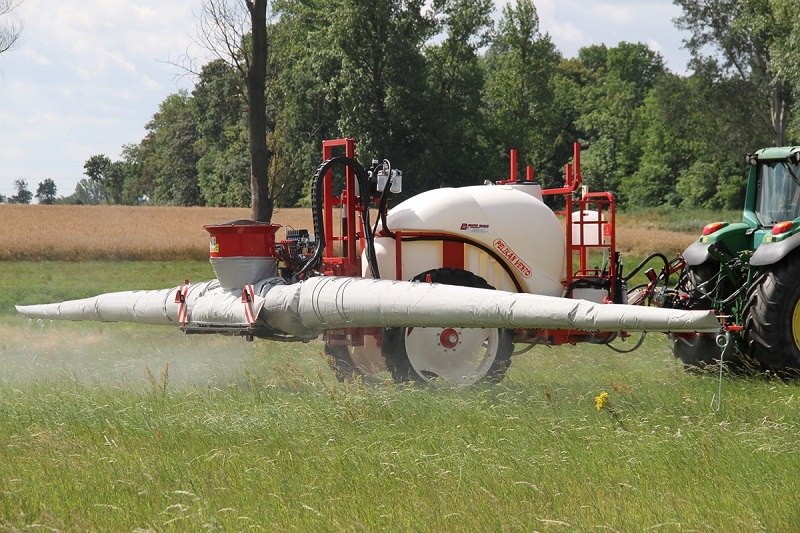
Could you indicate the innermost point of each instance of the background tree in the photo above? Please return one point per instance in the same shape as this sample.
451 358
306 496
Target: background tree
784 50
383 79
437 89
133 192
11 29
236 33
87 192
220 111
454 140
46 192
23 196
743 34
520 91
168 154
305 94
108 175
621 78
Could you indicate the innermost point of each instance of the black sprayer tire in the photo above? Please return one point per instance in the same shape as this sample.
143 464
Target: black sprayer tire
494 348
772 318
340 361
700 350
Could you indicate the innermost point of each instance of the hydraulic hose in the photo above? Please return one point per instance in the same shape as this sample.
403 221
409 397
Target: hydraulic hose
316 209
640 266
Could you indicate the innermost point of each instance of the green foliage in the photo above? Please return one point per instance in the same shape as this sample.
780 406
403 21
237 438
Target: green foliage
453 127
108 175
521 64
382 82
444 92
169 156
697 185
708 185
742 36
87 192
220 110
611 110
23 195
46 192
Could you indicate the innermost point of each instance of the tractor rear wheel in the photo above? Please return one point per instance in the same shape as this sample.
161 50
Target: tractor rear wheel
699 350
456 356
772 318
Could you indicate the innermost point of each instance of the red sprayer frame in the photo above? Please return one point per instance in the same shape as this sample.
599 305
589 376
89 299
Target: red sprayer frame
349 262
592 227
594 230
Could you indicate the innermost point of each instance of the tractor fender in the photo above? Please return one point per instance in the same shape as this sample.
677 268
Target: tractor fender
697 253
771 253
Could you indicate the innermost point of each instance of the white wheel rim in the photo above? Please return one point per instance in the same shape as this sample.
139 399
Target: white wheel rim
458 356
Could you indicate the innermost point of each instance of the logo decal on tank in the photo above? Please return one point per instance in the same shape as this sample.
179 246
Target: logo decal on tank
474 228
513 258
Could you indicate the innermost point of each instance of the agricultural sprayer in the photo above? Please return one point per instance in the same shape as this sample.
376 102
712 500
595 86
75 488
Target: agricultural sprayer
442 287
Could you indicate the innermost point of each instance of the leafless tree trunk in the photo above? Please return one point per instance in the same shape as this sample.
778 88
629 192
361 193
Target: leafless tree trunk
9 32
236 32
261 204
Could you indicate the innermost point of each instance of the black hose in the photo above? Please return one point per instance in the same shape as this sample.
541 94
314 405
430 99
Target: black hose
640 266
316 209
383 204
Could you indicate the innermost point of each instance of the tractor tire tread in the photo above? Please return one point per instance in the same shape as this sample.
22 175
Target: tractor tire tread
771 303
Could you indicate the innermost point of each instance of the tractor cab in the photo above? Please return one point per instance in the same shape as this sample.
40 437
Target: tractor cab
772 206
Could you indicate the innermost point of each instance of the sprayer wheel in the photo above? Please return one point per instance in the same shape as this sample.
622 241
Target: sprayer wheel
340 361
456 356
349 362
772 318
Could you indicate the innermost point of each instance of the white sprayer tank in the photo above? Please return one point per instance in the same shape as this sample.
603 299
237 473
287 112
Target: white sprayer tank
516 225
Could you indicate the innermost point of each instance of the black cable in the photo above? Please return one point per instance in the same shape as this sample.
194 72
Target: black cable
316 208
640 266
384 202
635 346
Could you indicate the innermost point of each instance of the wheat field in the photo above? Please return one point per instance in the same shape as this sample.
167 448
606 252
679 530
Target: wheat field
79 233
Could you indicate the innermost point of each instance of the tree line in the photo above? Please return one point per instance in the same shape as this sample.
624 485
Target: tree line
444 91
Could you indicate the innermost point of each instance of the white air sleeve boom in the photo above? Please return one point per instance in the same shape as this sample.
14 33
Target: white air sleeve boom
308 308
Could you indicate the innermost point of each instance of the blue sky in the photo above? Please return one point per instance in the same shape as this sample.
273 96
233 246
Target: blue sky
87 75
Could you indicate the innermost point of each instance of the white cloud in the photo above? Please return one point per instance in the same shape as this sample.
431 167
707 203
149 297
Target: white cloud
86 78
614 13
573 24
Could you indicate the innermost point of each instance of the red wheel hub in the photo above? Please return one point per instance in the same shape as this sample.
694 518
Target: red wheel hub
448 338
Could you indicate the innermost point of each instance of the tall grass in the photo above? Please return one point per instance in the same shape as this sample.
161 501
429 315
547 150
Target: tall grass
280 445
108 427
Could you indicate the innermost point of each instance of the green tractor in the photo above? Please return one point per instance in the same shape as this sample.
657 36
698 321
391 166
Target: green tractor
750 271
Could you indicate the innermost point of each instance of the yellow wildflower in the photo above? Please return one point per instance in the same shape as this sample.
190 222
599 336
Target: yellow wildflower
601 400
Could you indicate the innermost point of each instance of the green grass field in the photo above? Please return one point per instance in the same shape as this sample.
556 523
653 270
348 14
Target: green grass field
108 427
